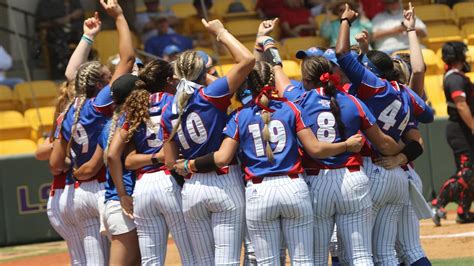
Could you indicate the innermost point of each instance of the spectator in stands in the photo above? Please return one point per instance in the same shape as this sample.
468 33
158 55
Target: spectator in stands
193 26
450 3
157 44
62 21
296 20
330 29
170 53
267 9
372 7
146 23
6 64
389 33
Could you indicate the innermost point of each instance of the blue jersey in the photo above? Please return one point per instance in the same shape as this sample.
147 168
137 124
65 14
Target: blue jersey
202 120
92 118
148 139
354 115
246 128
128 176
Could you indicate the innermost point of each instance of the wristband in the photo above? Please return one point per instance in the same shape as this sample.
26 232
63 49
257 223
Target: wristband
87 39
412 29
218 38
412 150
346 19
273 57
205 163
186 166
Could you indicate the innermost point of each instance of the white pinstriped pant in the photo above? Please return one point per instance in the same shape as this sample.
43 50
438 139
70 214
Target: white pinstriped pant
62 206
408 243
342 197
389 190
249 250
280 204
67 232
157 209
214 210
87 198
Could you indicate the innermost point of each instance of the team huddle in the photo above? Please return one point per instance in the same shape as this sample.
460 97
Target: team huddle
315 167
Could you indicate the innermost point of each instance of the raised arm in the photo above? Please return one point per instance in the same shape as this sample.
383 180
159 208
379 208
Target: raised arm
343 43
264 29
319 150
362 39
91 28
417 80
126 51
244 59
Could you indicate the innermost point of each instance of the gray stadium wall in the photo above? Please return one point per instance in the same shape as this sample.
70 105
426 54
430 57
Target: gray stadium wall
24 187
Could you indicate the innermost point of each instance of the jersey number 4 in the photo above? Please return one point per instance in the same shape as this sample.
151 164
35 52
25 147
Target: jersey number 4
388 115
277 137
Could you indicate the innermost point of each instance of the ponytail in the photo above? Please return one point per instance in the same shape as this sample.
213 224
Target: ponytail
266 117
136 108
112 128
330 90
63 102
182 102
80 103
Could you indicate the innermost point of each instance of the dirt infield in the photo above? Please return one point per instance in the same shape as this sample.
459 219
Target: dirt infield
448 241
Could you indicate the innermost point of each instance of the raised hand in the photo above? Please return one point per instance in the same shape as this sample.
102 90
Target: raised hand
409 17
350 14
354 143
112 8
92 25
266 27
362 37
214 26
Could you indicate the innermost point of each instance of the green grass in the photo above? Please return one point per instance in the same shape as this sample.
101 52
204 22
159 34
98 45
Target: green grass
453 262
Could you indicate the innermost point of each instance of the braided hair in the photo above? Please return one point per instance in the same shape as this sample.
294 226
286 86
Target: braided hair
311 69
190 66
63 102
262 75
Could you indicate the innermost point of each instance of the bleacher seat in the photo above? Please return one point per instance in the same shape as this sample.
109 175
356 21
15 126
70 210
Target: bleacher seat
13 126
319 19
17 146
244 30
8 100
292 69
435 93
36 93
183 10
220 8
464 12
435 14
41 124
292 45
106 44
439 34
430 58
468 32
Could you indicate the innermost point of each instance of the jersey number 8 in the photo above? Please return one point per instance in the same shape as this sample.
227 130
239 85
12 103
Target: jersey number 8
277 136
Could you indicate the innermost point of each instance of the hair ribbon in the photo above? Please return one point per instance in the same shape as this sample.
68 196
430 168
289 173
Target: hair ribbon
184 86
267 91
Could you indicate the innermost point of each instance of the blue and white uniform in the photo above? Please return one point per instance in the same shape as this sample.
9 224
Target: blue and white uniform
277 197
157 195
115 221
339 186
89 195
213 203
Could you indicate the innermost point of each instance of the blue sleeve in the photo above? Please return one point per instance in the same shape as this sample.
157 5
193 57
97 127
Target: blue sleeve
361 77
412 124
294 91
104 136
232 129
368 114
422 112
217 89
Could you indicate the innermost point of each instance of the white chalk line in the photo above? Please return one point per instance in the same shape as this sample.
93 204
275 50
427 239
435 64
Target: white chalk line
465 234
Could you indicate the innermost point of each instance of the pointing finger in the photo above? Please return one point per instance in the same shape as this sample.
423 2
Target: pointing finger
96 15
205 23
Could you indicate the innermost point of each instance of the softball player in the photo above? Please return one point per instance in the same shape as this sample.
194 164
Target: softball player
389 188
213 203
277 196
337 115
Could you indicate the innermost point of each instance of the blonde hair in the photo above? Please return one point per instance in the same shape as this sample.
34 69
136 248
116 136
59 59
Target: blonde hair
64 100
136 108
262 75
113 126
190 66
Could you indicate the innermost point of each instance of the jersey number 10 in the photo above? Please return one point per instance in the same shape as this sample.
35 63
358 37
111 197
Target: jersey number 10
195 128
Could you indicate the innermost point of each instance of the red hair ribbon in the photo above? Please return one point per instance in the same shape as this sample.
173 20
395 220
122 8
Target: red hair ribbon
326 77
267 91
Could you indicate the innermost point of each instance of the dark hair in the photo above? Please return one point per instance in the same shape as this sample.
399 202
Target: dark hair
384 63
207 4
453 52
154 76
311 69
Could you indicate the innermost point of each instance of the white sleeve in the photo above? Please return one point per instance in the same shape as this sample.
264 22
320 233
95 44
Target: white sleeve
5 59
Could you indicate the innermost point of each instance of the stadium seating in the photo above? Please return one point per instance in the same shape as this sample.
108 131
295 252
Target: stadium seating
13 126
221 7
319 20
8 100
468 32
464 12
471 76
435 93
292 45
41 124
430 58
246 29
17 146
36 93
435 14
183 10
439 34
292 69
106 44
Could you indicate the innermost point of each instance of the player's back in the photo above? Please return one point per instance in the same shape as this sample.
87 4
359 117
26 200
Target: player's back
283 127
